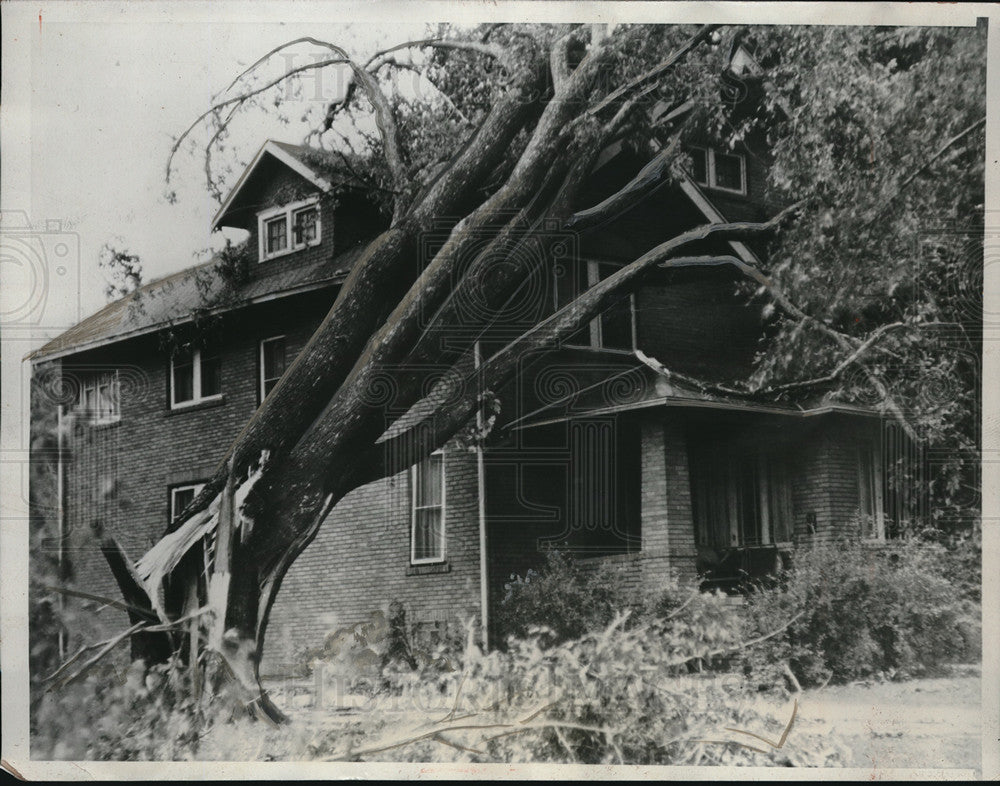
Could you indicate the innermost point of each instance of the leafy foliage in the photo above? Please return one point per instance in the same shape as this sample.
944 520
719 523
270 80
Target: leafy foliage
861 611
121 269
881 130
619 694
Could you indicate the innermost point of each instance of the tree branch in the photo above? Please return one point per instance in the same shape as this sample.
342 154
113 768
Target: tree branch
651 177
491 50
240 100
697 39
839 368
926 165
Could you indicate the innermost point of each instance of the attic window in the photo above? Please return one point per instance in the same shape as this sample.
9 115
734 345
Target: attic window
716 169
288 228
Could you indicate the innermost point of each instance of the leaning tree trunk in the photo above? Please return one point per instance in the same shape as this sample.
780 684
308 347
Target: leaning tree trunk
315 437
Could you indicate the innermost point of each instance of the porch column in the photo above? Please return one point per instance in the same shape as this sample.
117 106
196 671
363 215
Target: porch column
667 525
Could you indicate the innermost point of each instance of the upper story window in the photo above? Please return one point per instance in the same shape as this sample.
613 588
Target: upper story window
427 517
100 399
716 169
195 376
272 363
288 228
615 327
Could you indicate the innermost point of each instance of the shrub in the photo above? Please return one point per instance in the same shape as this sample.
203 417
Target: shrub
860 611
564 598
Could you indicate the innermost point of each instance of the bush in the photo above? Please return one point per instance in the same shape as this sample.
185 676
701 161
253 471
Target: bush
860 611
567 599
564 598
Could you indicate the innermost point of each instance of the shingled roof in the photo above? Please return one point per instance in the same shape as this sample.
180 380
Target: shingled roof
172 299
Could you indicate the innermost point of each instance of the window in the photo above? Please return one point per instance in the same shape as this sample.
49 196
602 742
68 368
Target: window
181 497
427 521
99 400
306 226
277 235
195 376
741 496
288 228
715 169
615 327
272 363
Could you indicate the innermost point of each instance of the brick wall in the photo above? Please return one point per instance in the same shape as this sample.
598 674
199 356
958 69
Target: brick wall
360 562
153 447
826 480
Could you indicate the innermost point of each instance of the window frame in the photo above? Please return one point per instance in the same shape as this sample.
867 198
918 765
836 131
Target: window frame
93 385
261 377
413 513
595 328
198 398
710 174
288 212
172 490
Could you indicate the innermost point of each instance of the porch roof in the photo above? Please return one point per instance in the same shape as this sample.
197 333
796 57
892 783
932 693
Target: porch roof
642 386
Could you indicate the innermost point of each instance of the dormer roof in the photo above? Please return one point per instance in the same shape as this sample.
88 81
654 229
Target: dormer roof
294 157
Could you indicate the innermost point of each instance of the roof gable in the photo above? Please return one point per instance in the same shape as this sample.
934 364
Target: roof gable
290 156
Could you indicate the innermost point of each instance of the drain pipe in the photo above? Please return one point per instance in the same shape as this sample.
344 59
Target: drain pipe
60 526
481 495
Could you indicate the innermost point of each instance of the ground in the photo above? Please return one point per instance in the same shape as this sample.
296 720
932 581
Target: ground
933 723
914 724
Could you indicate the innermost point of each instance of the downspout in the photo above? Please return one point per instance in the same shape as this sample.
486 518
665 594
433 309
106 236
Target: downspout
481 495
60 526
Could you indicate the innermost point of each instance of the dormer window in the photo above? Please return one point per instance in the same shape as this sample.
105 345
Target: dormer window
288 228
716 169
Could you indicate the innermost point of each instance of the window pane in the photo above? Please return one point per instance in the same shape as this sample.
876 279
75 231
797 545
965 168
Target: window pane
429 481
211 375
104 406
779 502
728 171
114 396
273 352
616 322
183 377
427 534
699 166
866 493
181 499
748 502
89 402
710 496
277 239
306 225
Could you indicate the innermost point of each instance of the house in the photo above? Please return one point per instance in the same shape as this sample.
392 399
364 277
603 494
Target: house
597 448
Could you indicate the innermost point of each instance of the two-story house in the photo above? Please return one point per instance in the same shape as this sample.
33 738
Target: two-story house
594 450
